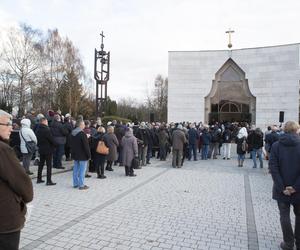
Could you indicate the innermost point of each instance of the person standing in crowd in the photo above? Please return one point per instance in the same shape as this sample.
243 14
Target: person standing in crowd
206 140
15 189
215 142
26 135
284 165
270 138
163 139
99 159
256 140
59 133
193 140
69 127
112 143
46 147
81 153
130 151
178 141
119 132
241 148
143 135
226 138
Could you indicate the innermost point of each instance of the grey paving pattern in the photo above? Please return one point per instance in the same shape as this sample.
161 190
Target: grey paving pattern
200 206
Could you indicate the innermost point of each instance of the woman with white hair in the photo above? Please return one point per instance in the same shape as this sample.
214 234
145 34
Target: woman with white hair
241 145
26 135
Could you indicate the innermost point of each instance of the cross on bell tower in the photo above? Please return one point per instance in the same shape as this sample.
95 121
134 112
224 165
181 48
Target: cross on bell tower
229 32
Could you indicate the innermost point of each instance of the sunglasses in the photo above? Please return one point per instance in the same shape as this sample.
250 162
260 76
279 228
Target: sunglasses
9 123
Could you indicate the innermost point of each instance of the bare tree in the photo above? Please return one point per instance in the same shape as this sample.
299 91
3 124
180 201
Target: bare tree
22 53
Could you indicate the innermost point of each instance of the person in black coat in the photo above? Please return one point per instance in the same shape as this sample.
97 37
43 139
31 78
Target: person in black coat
284 165
80 151
46 147
97 158
255 142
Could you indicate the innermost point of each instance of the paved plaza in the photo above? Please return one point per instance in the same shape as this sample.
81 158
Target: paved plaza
204 205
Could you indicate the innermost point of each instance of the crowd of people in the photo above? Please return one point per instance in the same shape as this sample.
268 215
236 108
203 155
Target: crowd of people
97 147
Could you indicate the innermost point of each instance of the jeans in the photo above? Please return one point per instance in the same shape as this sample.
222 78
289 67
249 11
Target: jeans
26 161
193 148
241 157
10 241
143 154
204 152
79 173
213 149
57 155
257 152
226 150
288 235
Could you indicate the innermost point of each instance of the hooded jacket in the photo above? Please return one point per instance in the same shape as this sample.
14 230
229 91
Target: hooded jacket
15 191
284 165
80 149
26 133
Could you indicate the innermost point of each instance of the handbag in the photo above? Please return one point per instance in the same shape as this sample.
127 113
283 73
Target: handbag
102 149
30 145
135 163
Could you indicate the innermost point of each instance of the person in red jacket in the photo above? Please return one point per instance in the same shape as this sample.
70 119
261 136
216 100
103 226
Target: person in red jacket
15 189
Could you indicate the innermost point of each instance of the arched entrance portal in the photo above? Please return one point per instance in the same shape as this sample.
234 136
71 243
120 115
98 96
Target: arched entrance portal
230 98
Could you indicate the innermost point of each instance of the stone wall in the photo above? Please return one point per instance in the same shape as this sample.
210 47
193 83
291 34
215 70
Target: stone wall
273 75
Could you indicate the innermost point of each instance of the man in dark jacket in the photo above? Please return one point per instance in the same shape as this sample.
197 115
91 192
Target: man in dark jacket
284 167
15 189
46 147
59 133
255 142
81 153
193 140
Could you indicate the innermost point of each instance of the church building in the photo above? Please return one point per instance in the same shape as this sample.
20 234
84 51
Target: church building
253 85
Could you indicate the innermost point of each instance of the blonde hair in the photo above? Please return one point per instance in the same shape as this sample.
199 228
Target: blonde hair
291 127
101 129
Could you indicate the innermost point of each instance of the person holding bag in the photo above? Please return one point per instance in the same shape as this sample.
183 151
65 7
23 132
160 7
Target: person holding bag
100 151
28 143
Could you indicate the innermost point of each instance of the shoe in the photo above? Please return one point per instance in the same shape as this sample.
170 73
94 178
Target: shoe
36 162
224 158
59 167
109 169
121 165
85 187
29 173
68 159
50 183
148 162
88 176
40 181
284 246
75 186
132 175
101 177
254 166
228 158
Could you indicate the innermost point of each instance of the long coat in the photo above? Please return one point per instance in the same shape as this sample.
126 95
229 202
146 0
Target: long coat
112 143
15 191
178 139
130 148
284 165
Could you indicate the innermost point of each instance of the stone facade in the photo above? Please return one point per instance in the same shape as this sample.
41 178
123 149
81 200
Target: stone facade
272 75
